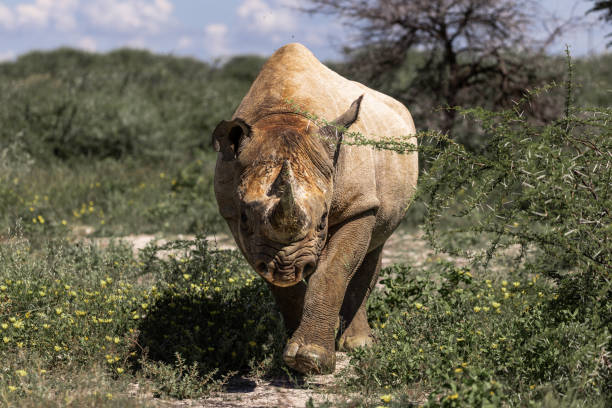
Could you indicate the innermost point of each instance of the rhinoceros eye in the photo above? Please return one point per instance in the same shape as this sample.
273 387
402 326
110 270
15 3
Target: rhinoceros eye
323 221
244 221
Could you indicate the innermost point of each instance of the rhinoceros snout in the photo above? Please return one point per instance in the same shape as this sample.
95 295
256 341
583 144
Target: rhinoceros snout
286 275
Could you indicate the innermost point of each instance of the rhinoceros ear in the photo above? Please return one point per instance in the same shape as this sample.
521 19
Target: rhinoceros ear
228 137
333 132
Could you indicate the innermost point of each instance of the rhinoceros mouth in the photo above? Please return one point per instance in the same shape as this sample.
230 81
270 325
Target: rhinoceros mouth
287 266
280 273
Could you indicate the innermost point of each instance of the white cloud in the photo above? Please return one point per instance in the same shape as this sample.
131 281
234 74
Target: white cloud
138 43
129 15
215 37
6 17
7 56
263 18
184 42
142 16
59 14
87 44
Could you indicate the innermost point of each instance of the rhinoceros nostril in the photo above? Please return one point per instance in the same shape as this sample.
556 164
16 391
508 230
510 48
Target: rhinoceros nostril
309 269
261 268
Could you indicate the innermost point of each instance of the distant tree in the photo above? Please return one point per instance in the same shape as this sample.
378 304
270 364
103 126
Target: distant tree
604 6
473 52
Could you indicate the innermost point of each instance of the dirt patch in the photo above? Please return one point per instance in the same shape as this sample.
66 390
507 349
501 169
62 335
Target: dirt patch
250 392
279 392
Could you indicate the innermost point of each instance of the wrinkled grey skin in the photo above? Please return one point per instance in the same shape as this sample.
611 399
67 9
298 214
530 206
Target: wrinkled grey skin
309 213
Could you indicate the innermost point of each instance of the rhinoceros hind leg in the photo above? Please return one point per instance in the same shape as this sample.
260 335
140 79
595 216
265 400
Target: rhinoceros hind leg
355 331
358 334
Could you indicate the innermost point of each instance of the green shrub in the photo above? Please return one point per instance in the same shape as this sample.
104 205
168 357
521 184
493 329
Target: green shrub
69 104
210 308
184 319
535 199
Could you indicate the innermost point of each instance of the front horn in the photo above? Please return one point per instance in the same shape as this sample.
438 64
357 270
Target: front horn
287 214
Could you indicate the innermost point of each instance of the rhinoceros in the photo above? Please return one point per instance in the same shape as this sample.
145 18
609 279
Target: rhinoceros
311 214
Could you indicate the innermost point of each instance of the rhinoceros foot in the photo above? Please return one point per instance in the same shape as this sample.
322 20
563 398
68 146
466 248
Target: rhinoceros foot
349 343
309 358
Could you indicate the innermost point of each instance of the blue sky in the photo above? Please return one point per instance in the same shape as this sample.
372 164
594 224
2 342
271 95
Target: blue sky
209 29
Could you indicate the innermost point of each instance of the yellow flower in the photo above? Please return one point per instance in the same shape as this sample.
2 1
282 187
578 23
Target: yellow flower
12 388
5 325
386 398
186 276
458 370
504 283
6 339
495 304
58 310
2 288
109 396
57 348
418 305
494 345
119 370
453 396
516 284
252 343
476 309
41 219
21 373
18 324
64 222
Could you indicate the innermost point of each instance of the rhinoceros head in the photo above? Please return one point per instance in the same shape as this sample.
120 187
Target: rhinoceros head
281 189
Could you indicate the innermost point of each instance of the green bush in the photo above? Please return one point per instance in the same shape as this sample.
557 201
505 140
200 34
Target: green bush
69 104
470 341
184 316
536 196
210 308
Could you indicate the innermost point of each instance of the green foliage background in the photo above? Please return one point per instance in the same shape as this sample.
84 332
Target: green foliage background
119 142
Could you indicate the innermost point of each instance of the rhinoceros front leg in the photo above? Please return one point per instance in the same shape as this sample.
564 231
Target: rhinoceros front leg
311 349
290 301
